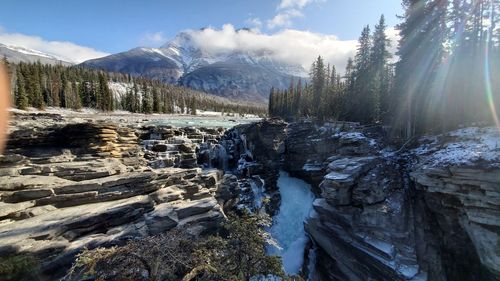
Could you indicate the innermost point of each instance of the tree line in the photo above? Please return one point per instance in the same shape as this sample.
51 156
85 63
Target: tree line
362 94
41 85
447 73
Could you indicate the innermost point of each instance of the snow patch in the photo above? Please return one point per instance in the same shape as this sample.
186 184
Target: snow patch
466 146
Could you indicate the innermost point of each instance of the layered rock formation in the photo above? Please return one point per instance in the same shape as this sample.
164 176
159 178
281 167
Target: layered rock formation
70 184
381 213
456 181
167 146
427 214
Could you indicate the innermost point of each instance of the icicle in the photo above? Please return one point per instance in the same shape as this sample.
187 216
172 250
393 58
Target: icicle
222 157
258 192
311 266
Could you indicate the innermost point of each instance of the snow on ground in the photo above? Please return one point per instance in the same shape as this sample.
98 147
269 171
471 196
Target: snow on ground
466 146
119 89
203 119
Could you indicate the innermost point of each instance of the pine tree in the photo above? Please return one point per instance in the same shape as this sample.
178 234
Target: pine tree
360 106
35 89
380 56
156 101
271 103
192 106
419 38
136 102
298 100
318 83
147 100
64 89
105 101
20 92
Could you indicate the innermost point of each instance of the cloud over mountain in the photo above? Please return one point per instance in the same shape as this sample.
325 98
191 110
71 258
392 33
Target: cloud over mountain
66 51
288 45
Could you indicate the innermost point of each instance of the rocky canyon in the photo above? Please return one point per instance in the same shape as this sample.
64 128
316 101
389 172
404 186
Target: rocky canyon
428 209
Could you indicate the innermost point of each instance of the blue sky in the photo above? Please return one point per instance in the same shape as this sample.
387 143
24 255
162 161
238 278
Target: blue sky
81 30
118 25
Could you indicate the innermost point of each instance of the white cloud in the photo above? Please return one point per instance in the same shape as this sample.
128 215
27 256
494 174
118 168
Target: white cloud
153 38
299 4
254 22
66 51
287 11
393 35
288 45
284 19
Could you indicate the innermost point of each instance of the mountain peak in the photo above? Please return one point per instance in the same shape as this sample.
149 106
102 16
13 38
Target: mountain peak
230 72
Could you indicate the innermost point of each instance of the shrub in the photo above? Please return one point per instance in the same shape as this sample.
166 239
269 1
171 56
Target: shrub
238 253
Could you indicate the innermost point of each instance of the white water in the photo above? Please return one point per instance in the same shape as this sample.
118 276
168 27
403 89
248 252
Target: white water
288 228
258 192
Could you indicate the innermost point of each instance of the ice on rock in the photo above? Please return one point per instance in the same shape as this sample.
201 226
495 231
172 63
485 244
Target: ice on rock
335 176
258 192
462 147
288 228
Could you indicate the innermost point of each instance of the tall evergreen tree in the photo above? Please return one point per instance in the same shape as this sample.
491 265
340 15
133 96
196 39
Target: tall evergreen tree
156 101
147 100
192 106
318 83
105 101
360 106
20 92
380 56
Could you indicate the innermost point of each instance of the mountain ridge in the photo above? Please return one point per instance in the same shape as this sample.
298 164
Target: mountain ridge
18 54
232 73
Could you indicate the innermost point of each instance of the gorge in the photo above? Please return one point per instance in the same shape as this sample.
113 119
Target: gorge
347 202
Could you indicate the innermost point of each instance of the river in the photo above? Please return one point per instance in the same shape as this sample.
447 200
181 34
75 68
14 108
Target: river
288 227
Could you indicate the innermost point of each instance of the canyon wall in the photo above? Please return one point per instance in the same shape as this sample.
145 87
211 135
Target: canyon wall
428 213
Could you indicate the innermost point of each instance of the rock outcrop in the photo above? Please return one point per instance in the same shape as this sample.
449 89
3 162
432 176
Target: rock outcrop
426 214
70 184
167 146
457 188
257 149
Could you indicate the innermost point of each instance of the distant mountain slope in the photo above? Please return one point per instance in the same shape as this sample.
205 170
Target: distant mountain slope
146 62
236 79
18 54
234 74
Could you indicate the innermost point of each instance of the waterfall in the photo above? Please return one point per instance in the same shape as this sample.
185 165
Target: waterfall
257 185
243 138
288 228
222 157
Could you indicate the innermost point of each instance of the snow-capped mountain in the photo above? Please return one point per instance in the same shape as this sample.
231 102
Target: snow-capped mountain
233 73
18 54
148 62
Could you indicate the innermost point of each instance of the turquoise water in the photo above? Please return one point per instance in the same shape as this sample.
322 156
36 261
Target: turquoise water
204 121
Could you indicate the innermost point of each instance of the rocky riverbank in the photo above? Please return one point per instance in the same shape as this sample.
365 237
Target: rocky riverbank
383 213
427 211
72 183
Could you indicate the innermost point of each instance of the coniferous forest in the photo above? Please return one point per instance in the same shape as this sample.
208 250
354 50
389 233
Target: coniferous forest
37 85
445 74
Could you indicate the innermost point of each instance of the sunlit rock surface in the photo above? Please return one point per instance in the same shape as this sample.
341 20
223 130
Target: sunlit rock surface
429 211
457 182
67 184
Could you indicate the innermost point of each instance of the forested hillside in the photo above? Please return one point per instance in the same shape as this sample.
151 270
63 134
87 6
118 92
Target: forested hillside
446 73
38 85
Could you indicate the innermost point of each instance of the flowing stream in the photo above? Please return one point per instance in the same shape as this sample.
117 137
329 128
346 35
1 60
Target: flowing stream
288 228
